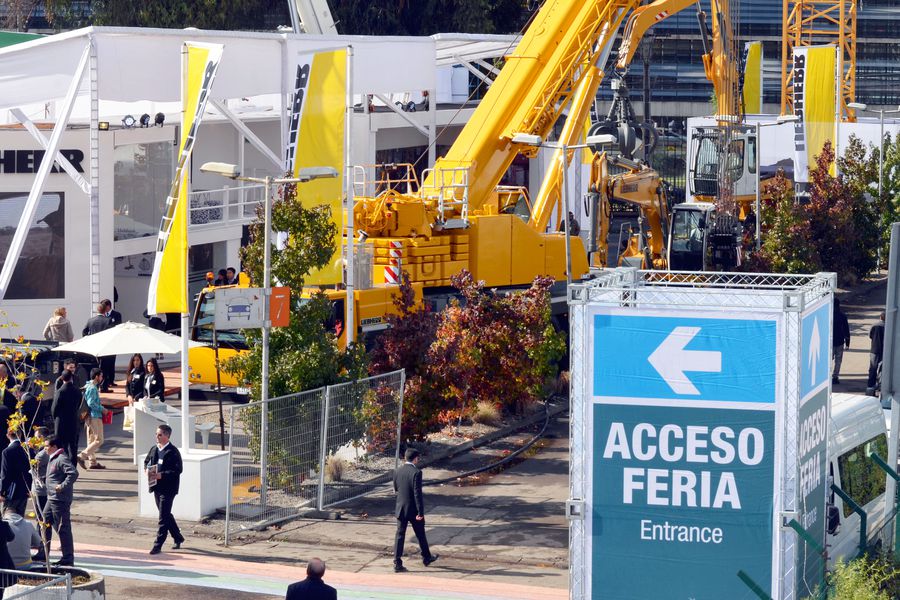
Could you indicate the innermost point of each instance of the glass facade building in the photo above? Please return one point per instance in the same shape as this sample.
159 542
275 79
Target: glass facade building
676 68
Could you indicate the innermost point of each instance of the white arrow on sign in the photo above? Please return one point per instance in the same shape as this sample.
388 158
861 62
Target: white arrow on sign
671 360
814 339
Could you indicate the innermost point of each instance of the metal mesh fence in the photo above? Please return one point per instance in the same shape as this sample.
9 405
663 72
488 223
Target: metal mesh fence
346 432
362 423
294 426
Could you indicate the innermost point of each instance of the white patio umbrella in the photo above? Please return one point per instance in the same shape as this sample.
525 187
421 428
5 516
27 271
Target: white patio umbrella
128 338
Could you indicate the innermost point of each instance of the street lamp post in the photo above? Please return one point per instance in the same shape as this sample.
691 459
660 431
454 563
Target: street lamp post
758 126
233 172
881 112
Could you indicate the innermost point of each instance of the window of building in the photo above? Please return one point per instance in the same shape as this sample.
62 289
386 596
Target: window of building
142 180
861 478
40 272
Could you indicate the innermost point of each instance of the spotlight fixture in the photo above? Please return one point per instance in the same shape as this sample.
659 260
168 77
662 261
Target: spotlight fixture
159 119
128 121
103 125
145 120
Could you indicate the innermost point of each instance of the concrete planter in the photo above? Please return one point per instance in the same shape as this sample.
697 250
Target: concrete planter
95 589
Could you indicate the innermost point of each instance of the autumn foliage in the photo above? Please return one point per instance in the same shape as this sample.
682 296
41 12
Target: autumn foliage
485 346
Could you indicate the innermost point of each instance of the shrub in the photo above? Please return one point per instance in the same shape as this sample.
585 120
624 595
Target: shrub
861 579
486 413
334 469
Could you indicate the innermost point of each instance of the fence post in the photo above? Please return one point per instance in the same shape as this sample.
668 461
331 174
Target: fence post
322 450
400 418
230 478
68 585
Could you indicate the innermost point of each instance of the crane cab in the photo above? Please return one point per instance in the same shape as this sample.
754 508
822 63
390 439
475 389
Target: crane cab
711 163
688 240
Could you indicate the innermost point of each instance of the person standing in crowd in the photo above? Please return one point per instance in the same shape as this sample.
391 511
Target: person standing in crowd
134 381
312 588
163 468
410 509
108 363
101 322
876 352
25 538
6 536
154 382
231 276
6 384
61 477
65 413
93 424
221 278
58 328
15 474
39 485
71 365
840 332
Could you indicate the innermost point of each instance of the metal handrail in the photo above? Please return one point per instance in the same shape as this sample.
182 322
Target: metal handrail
225 206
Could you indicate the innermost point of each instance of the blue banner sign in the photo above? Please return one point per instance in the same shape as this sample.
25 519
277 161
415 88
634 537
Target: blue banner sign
663 357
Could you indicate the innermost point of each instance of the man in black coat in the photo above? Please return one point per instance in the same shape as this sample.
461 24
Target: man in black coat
164 482
15 475
66 423
101 322
108 363
410 509
312 588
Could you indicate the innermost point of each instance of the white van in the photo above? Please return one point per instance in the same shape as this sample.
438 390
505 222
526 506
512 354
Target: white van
857 430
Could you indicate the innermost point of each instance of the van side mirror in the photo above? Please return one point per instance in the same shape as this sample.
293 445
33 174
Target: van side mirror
833 519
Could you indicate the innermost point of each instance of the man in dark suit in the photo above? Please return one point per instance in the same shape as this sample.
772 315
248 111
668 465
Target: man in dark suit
410 509
15 475
65 414
164 481
312 588
101 322
109 373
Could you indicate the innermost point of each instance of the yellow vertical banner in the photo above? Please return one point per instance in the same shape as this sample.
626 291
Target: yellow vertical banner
316 139
752 89
820 100
168 282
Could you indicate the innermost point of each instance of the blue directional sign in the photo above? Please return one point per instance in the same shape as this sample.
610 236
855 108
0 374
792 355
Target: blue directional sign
688 357
684 446
815 352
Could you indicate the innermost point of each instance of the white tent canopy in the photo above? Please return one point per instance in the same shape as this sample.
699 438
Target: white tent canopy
145 64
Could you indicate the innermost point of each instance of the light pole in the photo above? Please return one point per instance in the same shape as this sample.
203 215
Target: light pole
528 139
781 119
233 172
881 112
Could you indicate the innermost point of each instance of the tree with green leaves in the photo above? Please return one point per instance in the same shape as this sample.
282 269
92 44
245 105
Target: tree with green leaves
303 355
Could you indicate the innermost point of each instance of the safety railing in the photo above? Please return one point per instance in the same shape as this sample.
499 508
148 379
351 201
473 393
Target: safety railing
226 206
37 585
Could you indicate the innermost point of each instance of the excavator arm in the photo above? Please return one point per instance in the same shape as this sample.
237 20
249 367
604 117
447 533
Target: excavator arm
640 186
640 20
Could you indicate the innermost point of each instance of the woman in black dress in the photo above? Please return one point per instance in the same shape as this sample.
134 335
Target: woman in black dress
154 383
134 382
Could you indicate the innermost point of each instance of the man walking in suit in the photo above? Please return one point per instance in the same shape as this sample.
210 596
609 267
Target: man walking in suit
15 475
61 477
312 588
101 322
163 468
410 509
65 413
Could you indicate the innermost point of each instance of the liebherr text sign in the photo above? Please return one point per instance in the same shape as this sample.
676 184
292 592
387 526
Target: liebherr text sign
683 445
